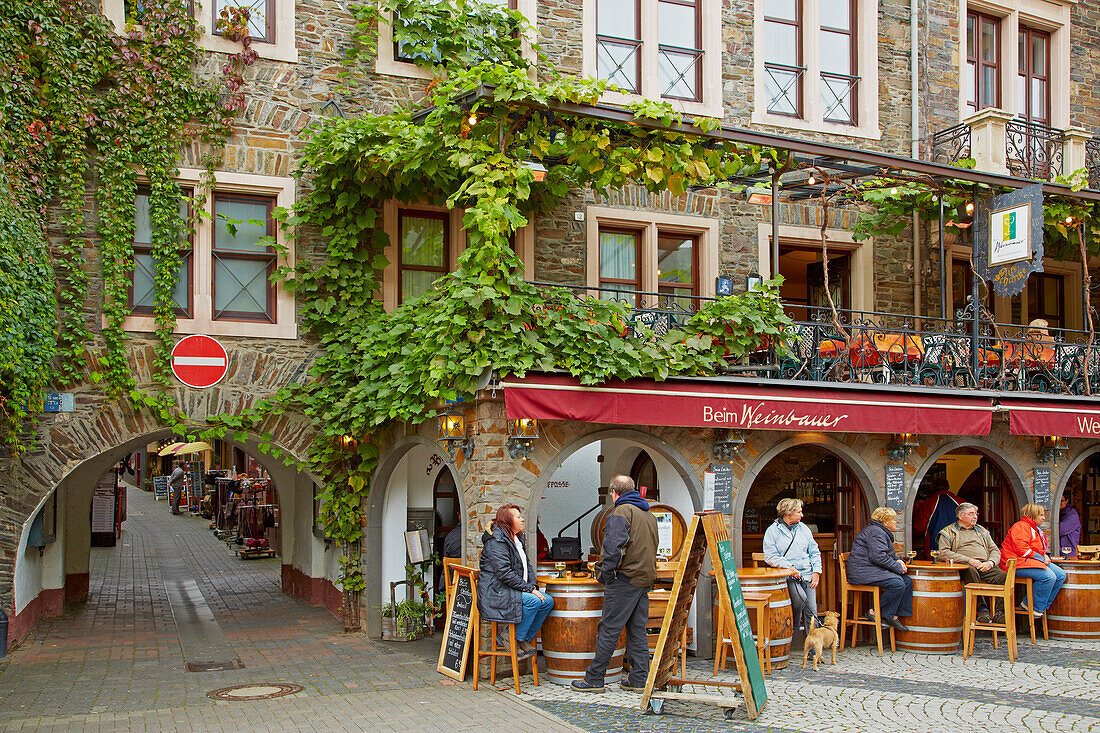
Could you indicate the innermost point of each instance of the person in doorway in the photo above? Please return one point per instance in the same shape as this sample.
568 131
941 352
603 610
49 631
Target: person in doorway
175 485
788 543
452 543
1027 543
873 561
627 569
506 587
967 542
1069 525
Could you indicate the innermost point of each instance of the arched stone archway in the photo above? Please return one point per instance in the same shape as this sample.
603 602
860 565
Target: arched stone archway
852 458
998 455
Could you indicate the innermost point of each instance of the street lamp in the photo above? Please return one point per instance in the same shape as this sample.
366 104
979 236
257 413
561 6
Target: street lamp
452 431
1049 448
901 445
522 432
727 443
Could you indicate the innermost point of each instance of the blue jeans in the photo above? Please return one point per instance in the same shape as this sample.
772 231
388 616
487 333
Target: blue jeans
1047 582
534 613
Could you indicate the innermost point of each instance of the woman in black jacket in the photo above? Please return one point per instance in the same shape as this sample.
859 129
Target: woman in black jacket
506 588
873 561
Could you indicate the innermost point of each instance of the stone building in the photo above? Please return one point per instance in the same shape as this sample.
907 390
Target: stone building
872 78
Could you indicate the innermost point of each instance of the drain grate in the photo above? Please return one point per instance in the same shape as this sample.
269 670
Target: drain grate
255 691
215 666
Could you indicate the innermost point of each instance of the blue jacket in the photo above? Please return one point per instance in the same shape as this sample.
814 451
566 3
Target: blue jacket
791 547
873 558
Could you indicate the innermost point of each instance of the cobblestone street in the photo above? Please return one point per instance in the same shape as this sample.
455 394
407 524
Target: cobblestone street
118 663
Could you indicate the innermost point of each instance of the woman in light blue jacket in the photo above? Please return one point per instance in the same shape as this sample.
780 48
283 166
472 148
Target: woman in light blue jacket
788 543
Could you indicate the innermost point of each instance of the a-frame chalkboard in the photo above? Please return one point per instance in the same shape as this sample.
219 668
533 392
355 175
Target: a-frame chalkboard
461 608
707 529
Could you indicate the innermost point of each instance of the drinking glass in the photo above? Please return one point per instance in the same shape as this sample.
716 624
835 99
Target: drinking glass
560 567
935 554
1065 552
912 555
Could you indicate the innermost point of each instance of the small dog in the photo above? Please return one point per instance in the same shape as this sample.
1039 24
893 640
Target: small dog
820 638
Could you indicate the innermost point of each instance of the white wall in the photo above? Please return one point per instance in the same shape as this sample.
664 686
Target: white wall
410 487
572 490
35 573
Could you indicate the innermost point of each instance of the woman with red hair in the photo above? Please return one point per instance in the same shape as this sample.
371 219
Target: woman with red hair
506 588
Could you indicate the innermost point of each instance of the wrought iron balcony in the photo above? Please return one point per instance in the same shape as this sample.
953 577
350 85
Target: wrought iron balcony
1001 143
884 348
1092 161
951 145
1034 150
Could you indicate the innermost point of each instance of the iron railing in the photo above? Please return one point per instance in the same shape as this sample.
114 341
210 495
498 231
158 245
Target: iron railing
885 348
1092 161
618 61
1034 150
783 88
838 96
952 144
680 71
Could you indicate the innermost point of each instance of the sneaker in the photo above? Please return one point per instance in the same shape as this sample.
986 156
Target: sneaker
632 688
984 617
586 686
503 642
1024 608
523 653
870 616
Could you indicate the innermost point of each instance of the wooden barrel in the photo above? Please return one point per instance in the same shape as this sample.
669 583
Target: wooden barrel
569 634
937 622
676 525
772 581
1075 613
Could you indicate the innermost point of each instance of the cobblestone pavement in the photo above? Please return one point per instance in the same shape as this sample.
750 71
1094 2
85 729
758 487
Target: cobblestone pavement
118 662
170 592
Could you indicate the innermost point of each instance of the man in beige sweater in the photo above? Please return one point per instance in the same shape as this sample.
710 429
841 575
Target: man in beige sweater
967 542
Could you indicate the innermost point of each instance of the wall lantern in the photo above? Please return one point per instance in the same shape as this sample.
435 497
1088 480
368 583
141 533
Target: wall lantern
522 432
538 170
1049 448
760 196
727 443
901 445
452 431
964 217
347 442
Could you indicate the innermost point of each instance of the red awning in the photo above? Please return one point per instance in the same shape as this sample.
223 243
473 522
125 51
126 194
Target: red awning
1064 419
725 405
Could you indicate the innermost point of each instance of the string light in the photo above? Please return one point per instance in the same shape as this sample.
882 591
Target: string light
894 191
472 120
811 180
1069 219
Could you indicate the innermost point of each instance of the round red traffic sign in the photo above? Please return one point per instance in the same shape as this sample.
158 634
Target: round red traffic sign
199 361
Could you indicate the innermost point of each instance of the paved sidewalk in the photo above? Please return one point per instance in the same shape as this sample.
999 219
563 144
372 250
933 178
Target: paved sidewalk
169 594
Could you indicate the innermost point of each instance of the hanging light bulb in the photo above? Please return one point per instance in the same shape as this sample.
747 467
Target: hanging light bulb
894 191
1069 219
970 207
472 120
811 180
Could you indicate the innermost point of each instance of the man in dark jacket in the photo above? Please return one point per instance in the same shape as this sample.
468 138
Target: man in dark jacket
452 543
175 486
627 569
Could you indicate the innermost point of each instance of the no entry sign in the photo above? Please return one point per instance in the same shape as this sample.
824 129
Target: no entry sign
199 361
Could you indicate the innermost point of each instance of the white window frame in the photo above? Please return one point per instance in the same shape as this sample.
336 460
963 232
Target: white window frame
202 320
862 279
649 224
456 237
387 63
1051 16
866 40
284 48
711 92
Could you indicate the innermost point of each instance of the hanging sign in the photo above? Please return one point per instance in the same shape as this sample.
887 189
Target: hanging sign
895 486
1042 486
723 488
1008 238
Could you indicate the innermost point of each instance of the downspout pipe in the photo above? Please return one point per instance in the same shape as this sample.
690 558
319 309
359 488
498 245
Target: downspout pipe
914 151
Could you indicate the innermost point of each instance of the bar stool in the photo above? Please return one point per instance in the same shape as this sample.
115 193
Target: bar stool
493 653
1029 583
855 620
761 603
758 560
990 591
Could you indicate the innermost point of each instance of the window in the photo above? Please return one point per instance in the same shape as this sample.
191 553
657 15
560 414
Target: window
1033 80
809 72
243 264
1046 298
261 17
636 251
783 56
142 289
983 60
423 253
658 49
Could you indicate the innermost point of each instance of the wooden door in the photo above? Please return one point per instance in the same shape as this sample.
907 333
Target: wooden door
851 517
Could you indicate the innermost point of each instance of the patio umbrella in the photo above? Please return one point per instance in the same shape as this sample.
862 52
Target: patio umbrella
170 449
198 447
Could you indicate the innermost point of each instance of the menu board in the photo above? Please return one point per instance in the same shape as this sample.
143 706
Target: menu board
1042 486
160 487
104 506
664 533
723 488
895 486
456 640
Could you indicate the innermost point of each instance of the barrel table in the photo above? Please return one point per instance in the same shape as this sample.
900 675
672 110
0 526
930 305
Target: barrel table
937 622
1075 613
569 634
772 581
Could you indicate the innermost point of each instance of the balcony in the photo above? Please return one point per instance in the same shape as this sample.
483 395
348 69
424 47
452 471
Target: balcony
861 347
998 142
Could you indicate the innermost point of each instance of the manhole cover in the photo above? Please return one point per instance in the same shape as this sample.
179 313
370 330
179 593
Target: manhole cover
255 691
214 666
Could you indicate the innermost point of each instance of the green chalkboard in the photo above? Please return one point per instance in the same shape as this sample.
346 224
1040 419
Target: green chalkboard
741 619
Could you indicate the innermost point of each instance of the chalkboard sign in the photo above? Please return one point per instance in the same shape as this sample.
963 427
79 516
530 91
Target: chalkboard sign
160 487
723 488
1042 486
741 619
895 486
461 609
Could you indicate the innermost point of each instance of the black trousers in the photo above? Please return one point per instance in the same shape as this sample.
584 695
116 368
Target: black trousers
624 606
897 596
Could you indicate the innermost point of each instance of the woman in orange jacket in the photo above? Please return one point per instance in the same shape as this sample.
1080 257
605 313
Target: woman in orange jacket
1028 545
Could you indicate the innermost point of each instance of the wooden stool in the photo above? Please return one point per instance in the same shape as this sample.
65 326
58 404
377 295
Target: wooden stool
856 620
761 603
493 653
758 560
992 592
1028 583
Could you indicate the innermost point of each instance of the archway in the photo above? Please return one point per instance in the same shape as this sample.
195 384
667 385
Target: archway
1080 484
836 492
969 471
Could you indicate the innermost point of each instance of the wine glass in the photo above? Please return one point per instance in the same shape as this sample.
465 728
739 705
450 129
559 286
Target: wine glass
560 567
912 555
935 554
1065 552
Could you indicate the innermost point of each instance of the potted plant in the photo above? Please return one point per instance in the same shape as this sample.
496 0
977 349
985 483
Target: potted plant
408 620
389 633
